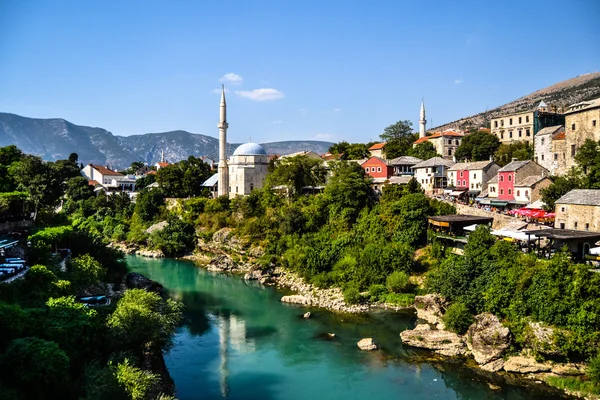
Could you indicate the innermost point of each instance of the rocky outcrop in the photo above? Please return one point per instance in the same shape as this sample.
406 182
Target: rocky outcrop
159 226
487 339
254 275
124 247
442 342
133 280
221 263
431 308
295 299
525 365
569 369
367 344
540 338
225 237
150 253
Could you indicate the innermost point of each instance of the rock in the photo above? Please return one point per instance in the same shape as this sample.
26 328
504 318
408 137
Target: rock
540 338
494 387
568 369
267 280
133 280
525 365
431 308
306 315
253 275
487 338
150 253
159 226
295 299
442 342
493 366
367 344
221 263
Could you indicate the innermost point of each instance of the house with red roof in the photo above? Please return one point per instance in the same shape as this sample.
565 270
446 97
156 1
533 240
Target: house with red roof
377 167
377 150
103 178
445 142
516 184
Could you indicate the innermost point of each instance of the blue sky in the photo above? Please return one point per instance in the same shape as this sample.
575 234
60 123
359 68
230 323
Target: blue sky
329 70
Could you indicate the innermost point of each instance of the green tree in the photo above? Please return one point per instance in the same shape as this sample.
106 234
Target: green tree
458 318
560 186
185 178
143 320
424 151
477 146
148 204
175 239
397 282
136 382
296 173
588 158
86 270
13 322
348 190
399 138
77 188
521 150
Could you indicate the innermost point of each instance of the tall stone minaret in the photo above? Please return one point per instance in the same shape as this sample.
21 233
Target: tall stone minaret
223 188
422 120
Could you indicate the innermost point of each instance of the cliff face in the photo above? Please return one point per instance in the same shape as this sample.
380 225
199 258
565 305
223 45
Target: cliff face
559 95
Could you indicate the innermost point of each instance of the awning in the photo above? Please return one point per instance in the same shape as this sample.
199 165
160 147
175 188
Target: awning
470 228
457 192
483 201
498 203
473 192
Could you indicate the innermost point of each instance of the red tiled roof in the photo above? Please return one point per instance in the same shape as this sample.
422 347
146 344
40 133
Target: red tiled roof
163 164
152 172
93 183
559 136
422 139
105 171
377 146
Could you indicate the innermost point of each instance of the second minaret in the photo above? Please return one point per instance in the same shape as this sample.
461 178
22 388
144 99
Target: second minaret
223 169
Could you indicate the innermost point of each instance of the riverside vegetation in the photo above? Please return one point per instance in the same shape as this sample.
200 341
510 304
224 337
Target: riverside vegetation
374 249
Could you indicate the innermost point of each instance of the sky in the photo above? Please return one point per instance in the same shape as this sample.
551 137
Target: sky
293 70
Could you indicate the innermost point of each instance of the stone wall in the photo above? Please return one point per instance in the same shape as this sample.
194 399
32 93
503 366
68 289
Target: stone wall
500 220
6 227
585 128
580 214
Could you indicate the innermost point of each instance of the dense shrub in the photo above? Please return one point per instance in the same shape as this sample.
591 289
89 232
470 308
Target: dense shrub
352 295
458 318
397 282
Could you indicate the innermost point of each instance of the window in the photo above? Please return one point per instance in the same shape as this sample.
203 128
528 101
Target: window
464 183
461 174
426 170
251 186
575 224
563 209
501 191
573 150
510 121
501 135
378 169
542 141
495 124
449 152
520 133
456 141
474 176
572 127
555 156
527 118
542 157
587 226
501 178
527 193
518 193
501 122
449 142
510 135
472 186
236 189
519 119
510 178
509 191
562 225
367 169
422 180
527 132
593 124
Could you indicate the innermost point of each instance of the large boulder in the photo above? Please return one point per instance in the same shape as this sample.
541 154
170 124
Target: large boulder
367 344
133 280
431 308
159 226
525 365
221 263
487 338
442 342
295 299
253 275
150 253
540 337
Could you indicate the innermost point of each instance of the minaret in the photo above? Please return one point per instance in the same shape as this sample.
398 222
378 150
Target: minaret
422 120
223 168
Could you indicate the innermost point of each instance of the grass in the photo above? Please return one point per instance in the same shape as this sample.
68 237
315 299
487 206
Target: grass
574 384
399 299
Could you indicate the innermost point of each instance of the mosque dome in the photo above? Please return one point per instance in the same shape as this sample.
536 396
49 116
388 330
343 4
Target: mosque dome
250 149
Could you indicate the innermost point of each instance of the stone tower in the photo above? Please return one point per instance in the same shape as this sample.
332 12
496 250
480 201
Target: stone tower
422 120
223 188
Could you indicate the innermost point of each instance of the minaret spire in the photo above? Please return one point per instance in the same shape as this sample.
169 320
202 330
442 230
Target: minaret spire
422 120
223 169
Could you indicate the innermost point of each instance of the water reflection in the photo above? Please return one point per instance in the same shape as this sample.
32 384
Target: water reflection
239 342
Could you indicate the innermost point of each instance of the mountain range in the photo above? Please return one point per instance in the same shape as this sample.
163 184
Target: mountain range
558 96
54 139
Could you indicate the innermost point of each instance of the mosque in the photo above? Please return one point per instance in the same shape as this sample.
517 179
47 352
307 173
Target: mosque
245 171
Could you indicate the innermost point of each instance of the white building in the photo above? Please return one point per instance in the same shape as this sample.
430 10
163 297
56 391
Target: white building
432 173
108 180
248 168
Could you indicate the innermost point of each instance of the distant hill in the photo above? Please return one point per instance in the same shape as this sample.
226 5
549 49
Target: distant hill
54 139
559 95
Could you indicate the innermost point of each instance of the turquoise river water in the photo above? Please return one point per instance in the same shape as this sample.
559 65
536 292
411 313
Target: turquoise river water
238 341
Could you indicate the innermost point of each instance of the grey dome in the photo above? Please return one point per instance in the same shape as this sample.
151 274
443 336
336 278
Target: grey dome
250 149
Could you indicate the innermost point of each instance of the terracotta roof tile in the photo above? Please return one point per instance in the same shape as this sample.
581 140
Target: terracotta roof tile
105 171
377 146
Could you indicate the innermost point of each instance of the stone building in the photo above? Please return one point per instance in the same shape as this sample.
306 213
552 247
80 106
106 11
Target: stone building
582 121
445 142
432 173
544 148
377 150
559 153
579 209
517 183
248 167
472 177
525 125
403 165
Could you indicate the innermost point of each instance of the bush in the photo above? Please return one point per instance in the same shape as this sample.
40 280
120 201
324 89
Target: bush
594 369
458 318
352 295
397 282
399 299
376 291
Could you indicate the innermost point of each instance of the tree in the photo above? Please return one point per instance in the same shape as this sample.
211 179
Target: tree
560 186
519 150
399 138
588 158
424 151
185 178
148 204
477 146
348 190
77 188
296 173
86 270
136 382
175 239
8 155
143 320
458 318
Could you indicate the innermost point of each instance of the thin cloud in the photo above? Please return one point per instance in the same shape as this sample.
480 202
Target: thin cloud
337 110
323 136
277 121
232 79
266 94
458 81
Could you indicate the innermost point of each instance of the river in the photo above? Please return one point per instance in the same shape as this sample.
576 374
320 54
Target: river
237 341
